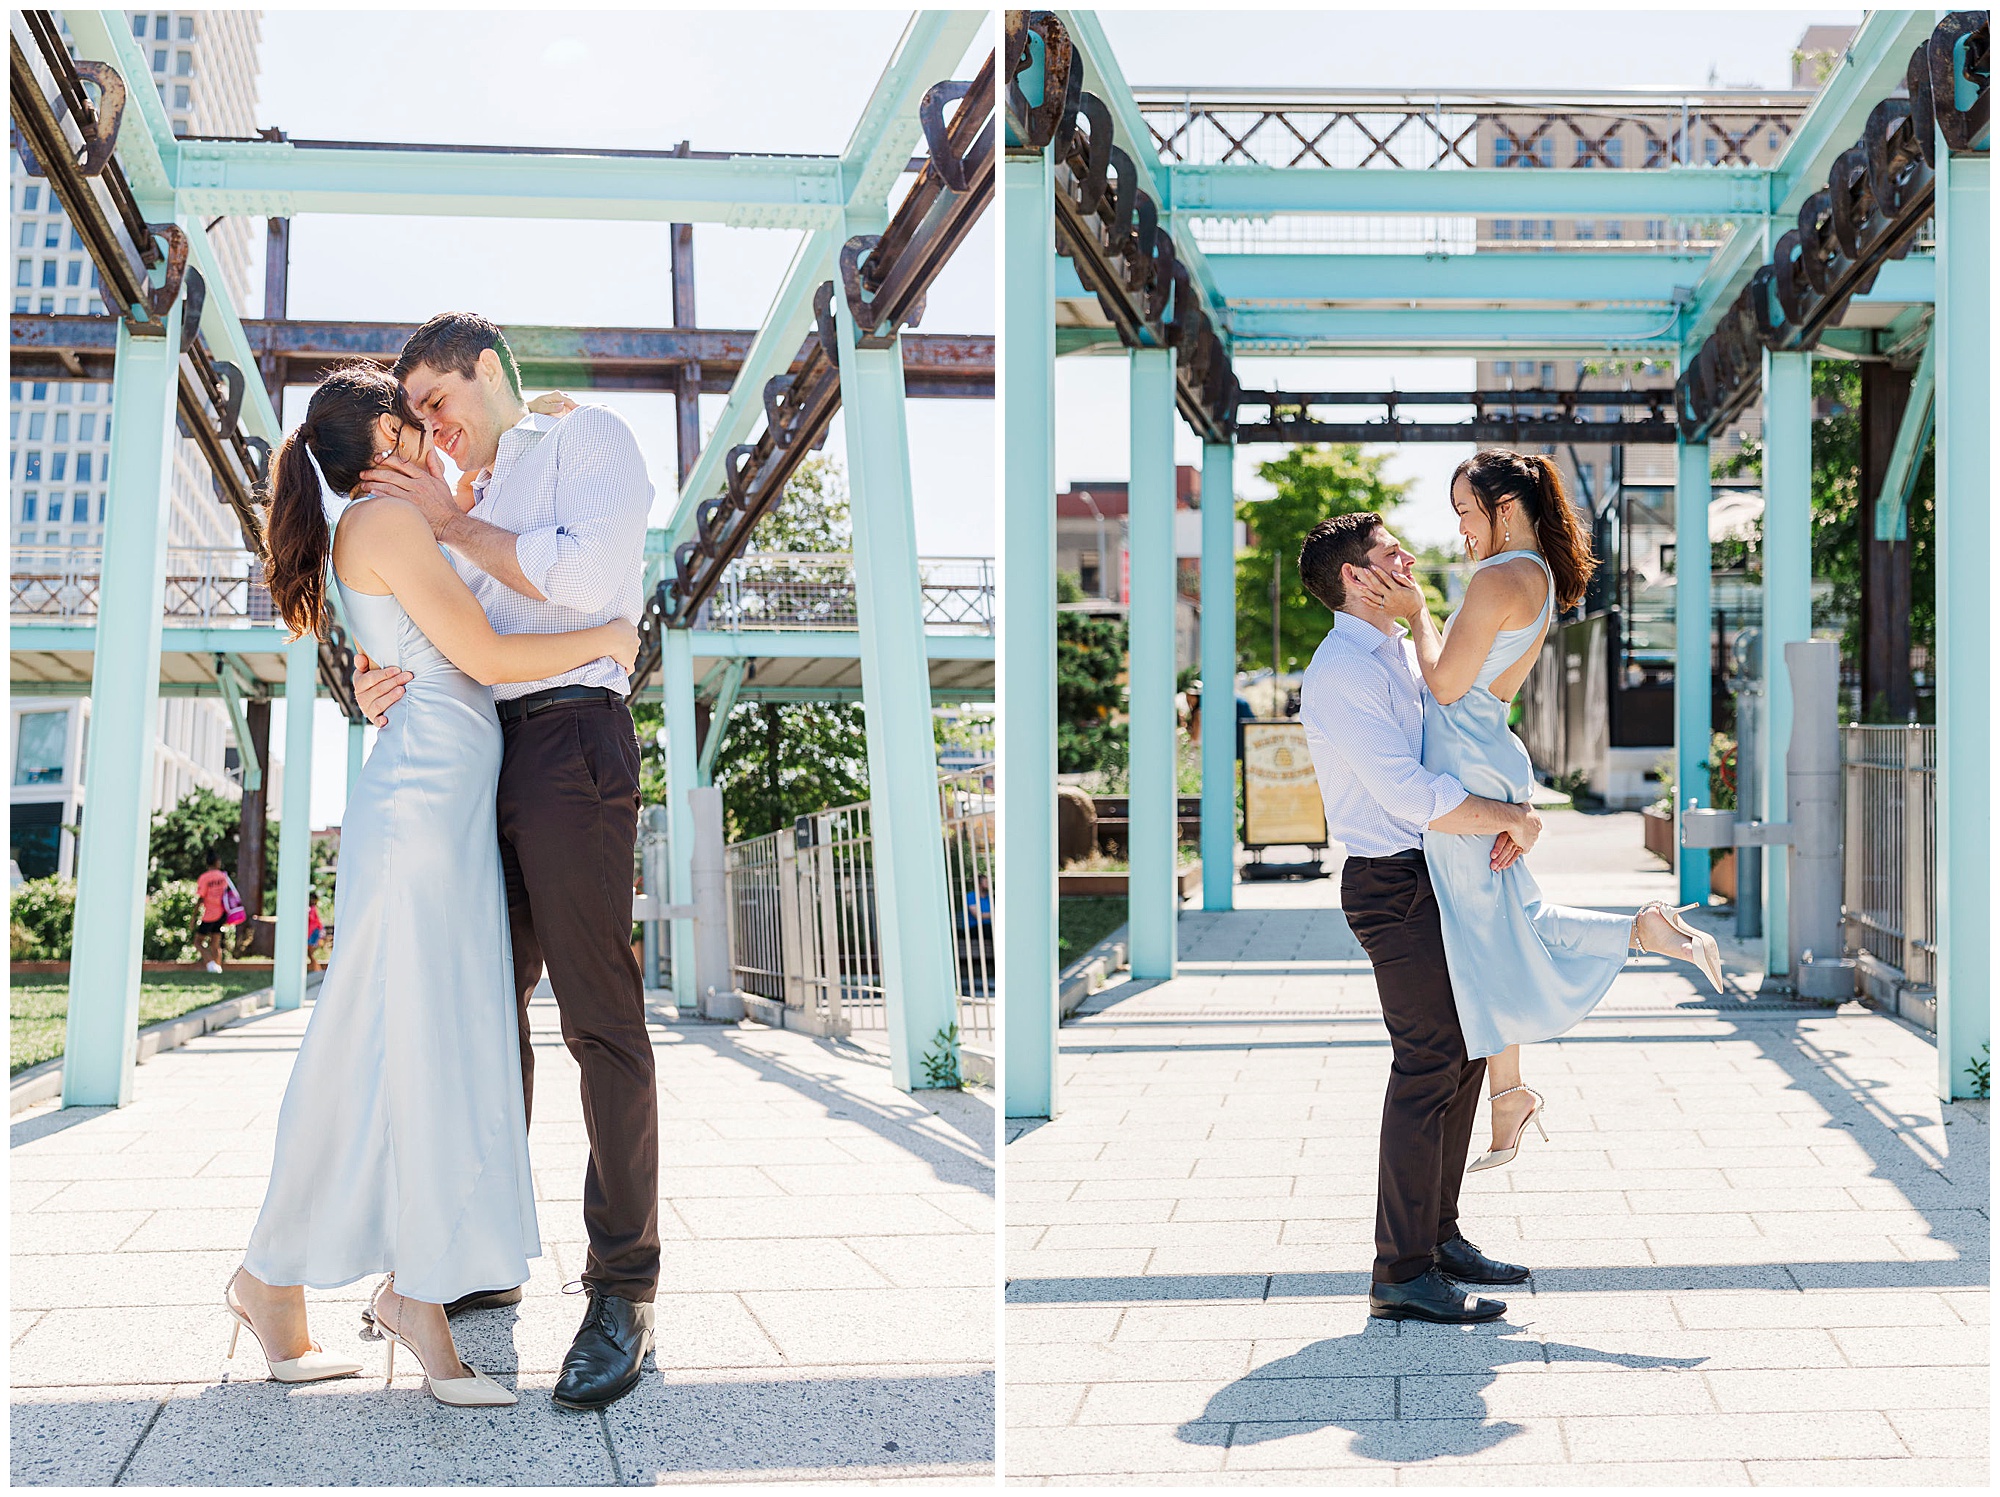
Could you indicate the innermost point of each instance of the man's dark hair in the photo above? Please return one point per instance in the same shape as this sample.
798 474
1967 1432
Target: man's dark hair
453 342
1343 541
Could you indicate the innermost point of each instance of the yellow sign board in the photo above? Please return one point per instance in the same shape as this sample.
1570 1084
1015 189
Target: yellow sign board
1281 803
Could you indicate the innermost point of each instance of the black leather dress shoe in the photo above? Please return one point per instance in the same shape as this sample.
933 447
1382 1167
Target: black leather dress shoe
479 1299
603 1363
1460 1260
1431 1296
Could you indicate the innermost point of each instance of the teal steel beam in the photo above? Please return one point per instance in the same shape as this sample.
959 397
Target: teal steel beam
1103 77
919 973
1218 676
1870 70
246 750
1787 606
1459 330
1256 282
1025 775
677 702
1694 658
102 1037
256 639
1702 192
149 156
718 720
828 644
288 964
1729 271
1964 551
1892 506
868 169
1153 885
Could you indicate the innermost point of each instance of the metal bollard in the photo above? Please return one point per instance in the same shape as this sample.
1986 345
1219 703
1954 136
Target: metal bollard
714 977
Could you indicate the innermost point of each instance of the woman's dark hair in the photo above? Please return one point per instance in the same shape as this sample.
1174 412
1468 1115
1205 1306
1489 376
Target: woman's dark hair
1498 475
340 428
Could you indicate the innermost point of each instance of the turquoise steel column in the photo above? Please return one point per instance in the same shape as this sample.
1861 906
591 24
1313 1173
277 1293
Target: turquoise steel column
288 966
1694 659
1787 606
912 896
111 855
356 755
1025 652
1218 676
1152 887
1965 909
677 705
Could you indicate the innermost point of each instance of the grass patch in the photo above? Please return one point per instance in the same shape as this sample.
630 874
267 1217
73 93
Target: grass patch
38 1011
1082 920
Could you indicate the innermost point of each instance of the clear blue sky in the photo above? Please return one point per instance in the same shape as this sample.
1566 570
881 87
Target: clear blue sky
742 81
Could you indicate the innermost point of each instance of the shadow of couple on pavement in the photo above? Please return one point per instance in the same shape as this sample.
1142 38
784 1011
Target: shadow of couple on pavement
1406 1397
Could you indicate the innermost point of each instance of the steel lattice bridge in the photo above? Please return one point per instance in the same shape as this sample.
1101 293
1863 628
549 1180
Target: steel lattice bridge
1725 237
837 343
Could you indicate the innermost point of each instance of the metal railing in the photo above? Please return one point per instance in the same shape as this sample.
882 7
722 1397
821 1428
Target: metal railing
816 590
204 584
802 916
1889 880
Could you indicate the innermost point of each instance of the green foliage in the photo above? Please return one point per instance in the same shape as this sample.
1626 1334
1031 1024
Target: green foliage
39 1005
648 717
1721 766
941 1061
169 930
1836 518
1313 483
1981 1071
199 823
814 514
1090 658
967 729
40 916
784 760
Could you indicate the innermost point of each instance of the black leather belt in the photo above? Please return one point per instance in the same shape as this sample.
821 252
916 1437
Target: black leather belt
516 708
1409 855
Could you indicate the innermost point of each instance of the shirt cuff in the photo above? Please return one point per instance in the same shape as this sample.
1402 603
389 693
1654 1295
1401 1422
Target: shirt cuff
535 555
1447 795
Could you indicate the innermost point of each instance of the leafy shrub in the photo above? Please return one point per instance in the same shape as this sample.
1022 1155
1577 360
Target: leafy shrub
41 914
169 935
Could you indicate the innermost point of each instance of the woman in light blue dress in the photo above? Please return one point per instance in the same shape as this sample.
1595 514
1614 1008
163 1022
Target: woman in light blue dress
402 1143
1522 969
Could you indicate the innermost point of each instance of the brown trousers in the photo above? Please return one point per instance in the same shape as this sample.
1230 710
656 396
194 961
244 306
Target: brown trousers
569 817
1433 1088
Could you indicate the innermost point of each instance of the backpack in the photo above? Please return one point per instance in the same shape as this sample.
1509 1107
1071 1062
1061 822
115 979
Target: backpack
233 912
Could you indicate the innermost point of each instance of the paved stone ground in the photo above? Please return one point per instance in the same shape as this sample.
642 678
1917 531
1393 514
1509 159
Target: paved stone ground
1760 1240
826 1312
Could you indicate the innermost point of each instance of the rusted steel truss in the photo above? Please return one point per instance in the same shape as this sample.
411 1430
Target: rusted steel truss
64 135
935 365
1878 196
1428 132
1109 226
1509 416
883 278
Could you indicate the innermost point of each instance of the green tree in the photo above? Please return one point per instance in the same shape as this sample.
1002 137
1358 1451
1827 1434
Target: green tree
199 823
1313 483
1090 658
1836 516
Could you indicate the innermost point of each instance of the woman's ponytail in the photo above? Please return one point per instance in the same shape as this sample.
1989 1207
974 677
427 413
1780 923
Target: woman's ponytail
1496 475
296 541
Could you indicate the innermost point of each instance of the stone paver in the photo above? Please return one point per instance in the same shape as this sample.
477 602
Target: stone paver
1760 1240
825 1313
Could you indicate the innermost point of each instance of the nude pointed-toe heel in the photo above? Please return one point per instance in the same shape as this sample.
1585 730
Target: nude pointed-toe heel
314 1366
476 1392
1494 1158
1705 955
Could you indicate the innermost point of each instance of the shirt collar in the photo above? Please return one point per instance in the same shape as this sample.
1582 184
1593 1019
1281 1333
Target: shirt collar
515 443
1363 635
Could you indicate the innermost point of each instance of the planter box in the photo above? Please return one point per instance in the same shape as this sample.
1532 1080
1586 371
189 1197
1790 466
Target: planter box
1722 876
1111 885
1659 835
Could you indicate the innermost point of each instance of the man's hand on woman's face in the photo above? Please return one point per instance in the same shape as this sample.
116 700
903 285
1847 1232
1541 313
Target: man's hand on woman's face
422 484
378 688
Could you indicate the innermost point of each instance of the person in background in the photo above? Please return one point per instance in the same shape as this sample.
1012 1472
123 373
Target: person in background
315 933
208 919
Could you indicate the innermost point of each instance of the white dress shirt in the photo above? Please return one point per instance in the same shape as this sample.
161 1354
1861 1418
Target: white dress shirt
1363 710
574 491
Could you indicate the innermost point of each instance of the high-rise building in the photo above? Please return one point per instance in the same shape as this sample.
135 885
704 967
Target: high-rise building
204 68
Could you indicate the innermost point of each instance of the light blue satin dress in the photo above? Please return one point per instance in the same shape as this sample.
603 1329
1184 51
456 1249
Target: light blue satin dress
403 1141
1522 970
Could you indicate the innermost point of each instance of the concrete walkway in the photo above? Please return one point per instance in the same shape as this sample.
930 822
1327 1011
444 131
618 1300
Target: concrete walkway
1760 1240
826 1312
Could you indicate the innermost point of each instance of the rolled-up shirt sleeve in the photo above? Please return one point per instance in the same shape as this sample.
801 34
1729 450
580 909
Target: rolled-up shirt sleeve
581 561
1366 738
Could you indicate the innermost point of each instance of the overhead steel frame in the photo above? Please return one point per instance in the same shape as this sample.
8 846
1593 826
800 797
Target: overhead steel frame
177 182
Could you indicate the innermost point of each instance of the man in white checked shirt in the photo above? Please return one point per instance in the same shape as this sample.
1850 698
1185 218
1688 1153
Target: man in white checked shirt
548 529
1362 706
